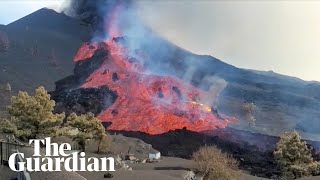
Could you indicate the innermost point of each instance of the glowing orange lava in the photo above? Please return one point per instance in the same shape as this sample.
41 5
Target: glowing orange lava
148 103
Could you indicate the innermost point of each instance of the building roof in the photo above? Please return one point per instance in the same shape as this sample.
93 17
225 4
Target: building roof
153 151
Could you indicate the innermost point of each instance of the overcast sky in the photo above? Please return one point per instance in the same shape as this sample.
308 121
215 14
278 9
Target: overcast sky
11 10
283 36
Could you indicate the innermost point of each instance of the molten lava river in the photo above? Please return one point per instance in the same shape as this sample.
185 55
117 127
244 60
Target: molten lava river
146 102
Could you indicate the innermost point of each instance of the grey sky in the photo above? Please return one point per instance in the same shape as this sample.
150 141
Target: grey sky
283 36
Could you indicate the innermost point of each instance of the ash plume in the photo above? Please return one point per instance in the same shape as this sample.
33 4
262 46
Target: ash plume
94 13
216 86
119 18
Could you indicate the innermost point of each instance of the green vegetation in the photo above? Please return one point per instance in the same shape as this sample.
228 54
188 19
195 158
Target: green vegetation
294 157
32 116
8 127
214 164
85 127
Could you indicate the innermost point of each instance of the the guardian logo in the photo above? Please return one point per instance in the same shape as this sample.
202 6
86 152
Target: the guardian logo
56 156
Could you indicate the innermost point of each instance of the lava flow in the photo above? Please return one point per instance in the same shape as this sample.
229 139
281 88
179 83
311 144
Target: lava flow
146 102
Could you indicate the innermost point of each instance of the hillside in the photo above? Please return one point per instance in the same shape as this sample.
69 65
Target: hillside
43 44
283 103
40 48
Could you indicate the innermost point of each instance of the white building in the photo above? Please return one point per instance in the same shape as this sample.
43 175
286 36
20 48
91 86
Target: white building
154 155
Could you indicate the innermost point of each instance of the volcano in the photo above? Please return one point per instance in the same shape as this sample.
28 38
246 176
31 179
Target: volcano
283 103
135 80
146 100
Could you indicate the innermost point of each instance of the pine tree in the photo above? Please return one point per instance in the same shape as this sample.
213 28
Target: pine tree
32 116
8 127
294 157
85 127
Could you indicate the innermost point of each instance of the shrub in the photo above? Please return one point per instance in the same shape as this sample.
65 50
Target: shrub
294 157
214 164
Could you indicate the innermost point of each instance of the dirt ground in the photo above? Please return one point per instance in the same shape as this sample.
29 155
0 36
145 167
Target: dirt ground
6 173
168 168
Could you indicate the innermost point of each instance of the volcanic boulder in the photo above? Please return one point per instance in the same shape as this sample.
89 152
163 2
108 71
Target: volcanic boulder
83 100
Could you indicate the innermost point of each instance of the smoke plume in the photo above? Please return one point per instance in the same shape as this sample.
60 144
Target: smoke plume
217 85
96 13
119 18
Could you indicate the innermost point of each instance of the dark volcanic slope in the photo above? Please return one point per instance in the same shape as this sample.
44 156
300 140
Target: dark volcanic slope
283 103
256 158
42 45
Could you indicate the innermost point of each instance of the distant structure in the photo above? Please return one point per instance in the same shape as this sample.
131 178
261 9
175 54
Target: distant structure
154 155
8 87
